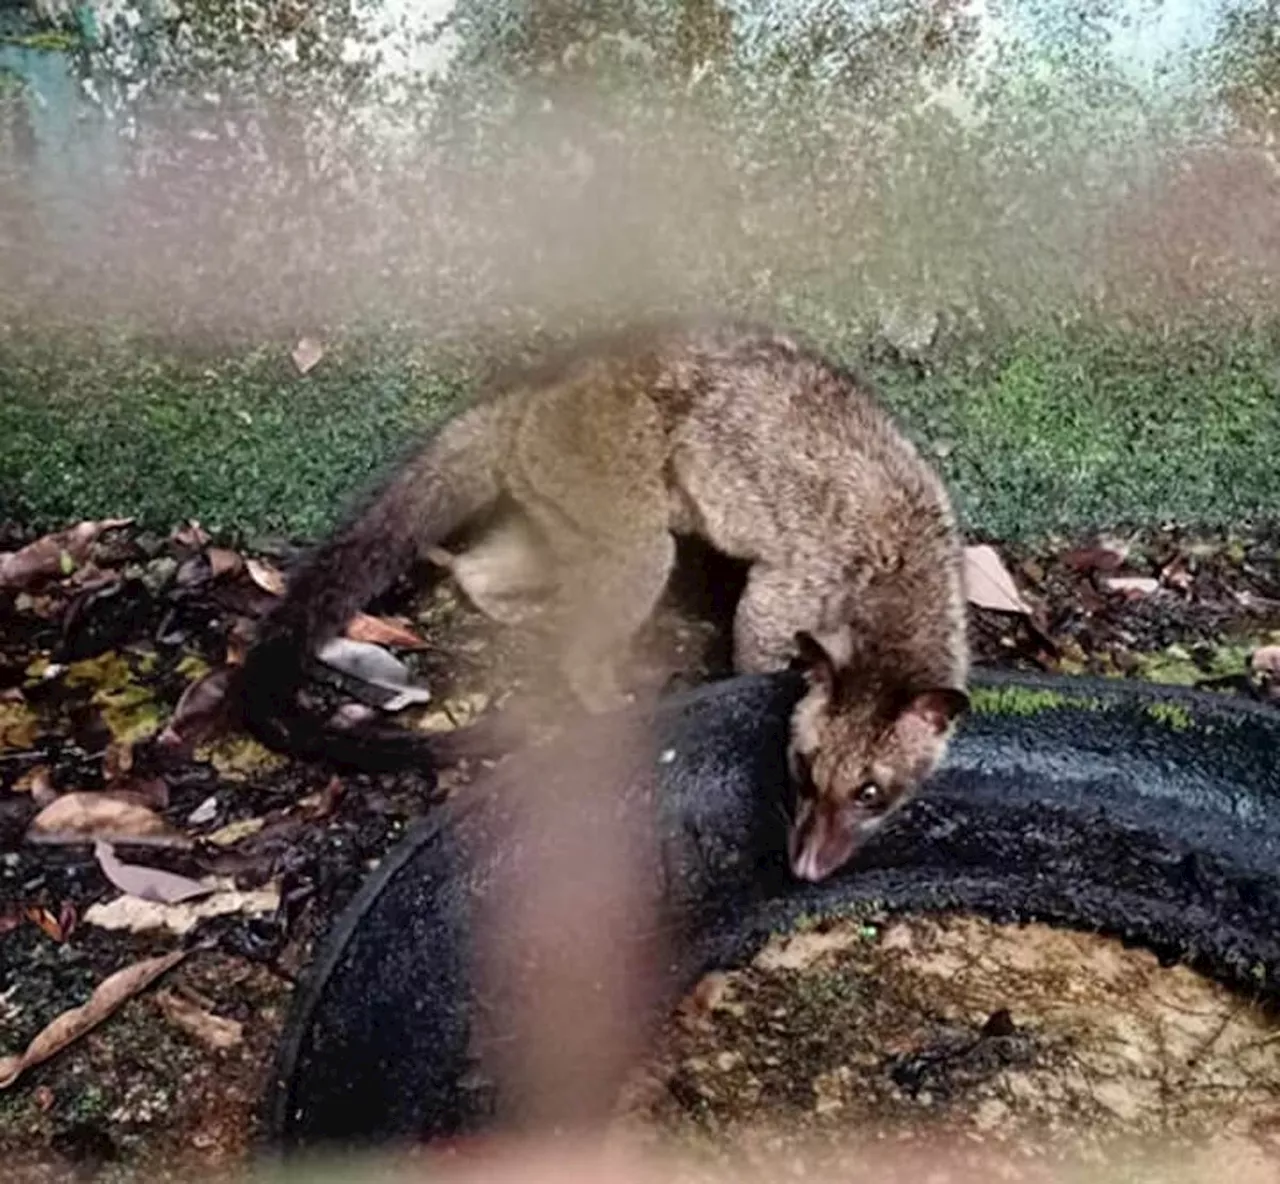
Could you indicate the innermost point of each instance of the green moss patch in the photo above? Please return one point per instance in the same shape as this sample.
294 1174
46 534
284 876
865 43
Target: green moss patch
1023 701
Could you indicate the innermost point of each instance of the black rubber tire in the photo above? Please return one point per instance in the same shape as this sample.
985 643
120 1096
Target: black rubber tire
1145 812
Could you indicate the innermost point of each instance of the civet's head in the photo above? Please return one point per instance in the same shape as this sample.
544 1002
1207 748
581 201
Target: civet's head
857 753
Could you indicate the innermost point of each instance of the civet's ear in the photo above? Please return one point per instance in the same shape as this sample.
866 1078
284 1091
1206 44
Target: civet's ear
938 708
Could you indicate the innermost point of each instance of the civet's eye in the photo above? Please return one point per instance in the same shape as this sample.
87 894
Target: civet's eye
870 794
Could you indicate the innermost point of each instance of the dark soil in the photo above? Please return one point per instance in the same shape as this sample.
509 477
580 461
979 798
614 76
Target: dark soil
93 662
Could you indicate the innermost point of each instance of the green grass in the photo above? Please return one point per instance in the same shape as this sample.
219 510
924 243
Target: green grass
1035 432
1060 432
242 443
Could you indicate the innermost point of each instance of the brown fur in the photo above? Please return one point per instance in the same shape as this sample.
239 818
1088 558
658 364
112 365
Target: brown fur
742 437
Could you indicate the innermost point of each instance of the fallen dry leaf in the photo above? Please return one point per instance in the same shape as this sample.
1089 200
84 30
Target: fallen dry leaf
206 811
223 562
141 916
190 534
19 726
239 756
117 760
38 782
1267 659
233 832
53 927
90 582
322 804
46 607
306 354
988 583
268 578
1105 556
1135 585
384 631
213 1031
54 555
454 712
148 883
351 714
152 792
192 571
385 676
199 713
709 994
81 816
109 994
1177 575
330 796
239 638
94 592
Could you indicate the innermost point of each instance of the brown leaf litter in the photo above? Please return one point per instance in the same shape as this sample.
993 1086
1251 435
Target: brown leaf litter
53 555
